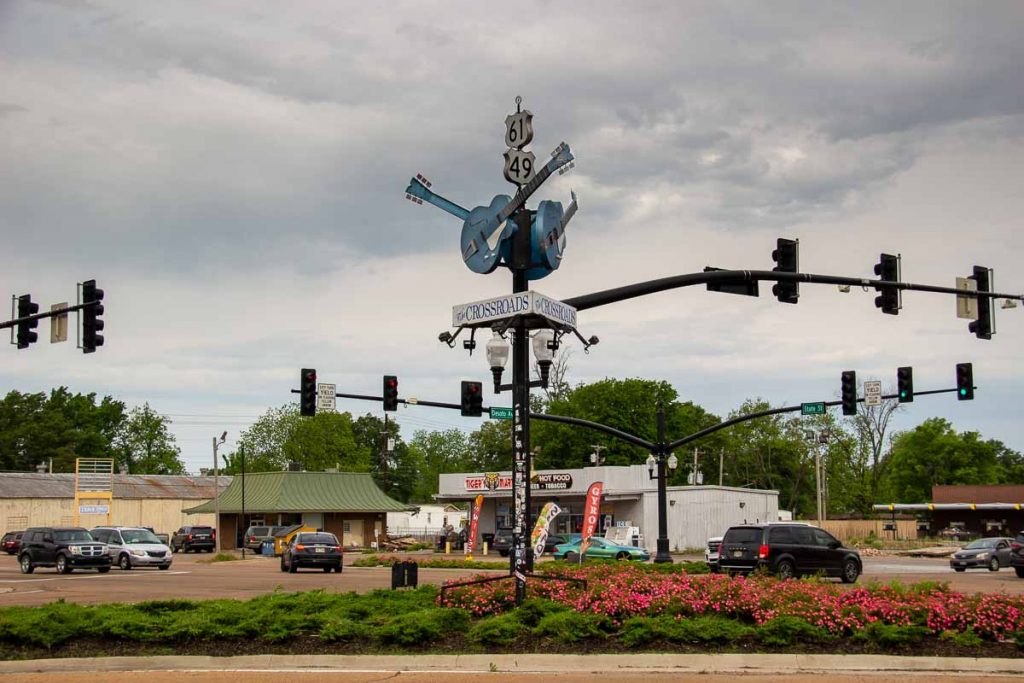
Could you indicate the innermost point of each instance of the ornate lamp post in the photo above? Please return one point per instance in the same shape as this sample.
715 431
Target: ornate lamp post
658 458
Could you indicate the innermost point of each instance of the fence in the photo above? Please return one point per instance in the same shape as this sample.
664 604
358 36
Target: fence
845 529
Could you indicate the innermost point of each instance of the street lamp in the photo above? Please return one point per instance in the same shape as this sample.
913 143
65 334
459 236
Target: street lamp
544 352
497 357
596 456
658 459
216 489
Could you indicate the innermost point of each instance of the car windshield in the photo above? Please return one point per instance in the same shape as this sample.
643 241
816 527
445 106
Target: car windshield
257 531
82 535
329 539
982 543
139 536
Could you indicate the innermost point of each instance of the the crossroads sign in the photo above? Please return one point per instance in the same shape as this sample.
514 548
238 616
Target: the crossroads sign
511 305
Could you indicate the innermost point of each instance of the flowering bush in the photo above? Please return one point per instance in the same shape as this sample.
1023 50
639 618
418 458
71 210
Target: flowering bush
619 592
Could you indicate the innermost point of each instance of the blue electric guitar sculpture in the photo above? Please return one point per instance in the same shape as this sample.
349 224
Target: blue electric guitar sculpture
487 226
547 237
419 192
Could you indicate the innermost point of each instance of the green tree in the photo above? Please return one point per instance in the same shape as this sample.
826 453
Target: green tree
440 453
145 446
396 471
933 453
36 428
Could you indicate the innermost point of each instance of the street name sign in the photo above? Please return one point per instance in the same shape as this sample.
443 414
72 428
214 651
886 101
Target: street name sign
967 306
501 413
511 305
873 393
325 396
812 408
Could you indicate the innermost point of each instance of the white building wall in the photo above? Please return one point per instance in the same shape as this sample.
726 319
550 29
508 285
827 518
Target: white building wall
430 518
163 514
696 513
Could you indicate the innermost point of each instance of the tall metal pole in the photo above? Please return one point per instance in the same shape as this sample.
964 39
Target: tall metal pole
522 556
817 481
662 554
216 497
241 451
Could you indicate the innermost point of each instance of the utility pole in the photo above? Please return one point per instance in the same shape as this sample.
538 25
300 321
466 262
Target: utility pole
216 490
595 457
721 465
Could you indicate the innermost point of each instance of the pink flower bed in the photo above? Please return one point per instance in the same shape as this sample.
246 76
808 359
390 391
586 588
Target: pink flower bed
623 591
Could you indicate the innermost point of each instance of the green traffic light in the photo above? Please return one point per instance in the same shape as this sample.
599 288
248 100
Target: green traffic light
963 392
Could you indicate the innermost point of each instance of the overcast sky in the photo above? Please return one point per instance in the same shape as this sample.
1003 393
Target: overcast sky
232 174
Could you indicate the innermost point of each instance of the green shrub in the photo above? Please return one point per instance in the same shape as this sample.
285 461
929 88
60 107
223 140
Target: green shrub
47 626
638 631
344 630
888 635
497 631
711 629
966 638
572 627
423 626
533 610
785 630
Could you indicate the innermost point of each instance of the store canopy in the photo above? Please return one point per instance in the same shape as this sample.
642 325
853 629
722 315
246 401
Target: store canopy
926 507
304 492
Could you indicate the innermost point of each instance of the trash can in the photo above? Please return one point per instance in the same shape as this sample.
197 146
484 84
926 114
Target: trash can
267 548
404 575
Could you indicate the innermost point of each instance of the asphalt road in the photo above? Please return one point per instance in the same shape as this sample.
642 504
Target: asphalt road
192 577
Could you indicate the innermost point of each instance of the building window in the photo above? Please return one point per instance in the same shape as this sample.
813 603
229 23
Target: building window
346 527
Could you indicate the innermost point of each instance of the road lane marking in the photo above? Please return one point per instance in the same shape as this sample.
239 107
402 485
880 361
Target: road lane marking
90 576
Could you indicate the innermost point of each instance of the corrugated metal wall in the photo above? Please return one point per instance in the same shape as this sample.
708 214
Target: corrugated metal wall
164 515
698 513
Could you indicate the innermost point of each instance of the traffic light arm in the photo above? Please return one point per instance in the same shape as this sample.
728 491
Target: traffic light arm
778 411
610 296
48 314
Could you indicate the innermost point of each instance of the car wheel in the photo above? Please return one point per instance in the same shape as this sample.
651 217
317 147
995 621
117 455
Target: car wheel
174 548
714 568
1020 572
164 567
851 571
786 570
993 564
62 565
124 562
622 556
327 570
503 553
959 569
27 567
292 567
338 569
103 570
284 567
572 556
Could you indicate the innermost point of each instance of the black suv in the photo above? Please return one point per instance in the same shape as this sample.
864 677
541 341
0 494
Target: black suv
502 541
1017 555
194 538
66 548
788 550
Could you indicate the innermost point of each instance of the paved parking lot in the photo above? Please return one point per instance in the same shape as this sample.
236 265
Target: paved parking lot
193 576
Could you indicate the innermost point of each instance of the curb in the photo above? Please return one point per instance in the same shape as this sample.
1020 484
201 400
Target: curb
533 663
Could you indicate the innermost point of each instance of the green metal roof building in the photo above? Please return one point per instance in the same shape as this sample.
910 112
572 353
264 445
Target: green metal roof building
347 504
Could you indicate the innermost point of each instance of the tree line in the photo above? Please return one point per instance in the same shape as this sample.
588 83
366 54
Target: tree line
863 463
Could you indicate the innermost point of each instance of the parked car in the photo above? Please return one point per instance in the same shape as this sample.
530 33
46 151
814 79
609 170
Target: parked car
132 547
255 535
318 549
1017 555
555 540
164 538
711 553
11 542
992 553
503 541
194 538
66 548
603 548
789 550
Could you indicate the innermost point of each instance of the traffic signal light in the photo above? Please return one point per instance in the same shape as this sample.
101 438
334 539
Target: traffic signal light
787 258
390 393
964 382
307 392
848 388
472 399
91 323
26 308
888 270
982 327
905 384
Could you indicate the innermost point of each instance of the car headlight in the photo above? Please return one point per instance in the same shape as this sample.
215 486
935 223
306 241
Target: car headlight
105 550
983 556
138 553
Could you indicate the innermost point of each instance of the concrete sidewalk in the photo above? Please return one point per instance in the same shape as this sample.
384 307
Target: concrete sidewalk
660 663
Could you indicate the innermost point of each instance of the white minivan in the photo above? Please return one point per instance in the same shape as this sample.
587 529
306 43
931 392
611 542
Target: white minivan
132 547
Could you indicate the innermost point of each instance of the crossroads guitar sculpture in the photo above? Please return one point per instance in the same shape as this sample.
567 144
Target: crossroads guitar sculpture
547 237
486 228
